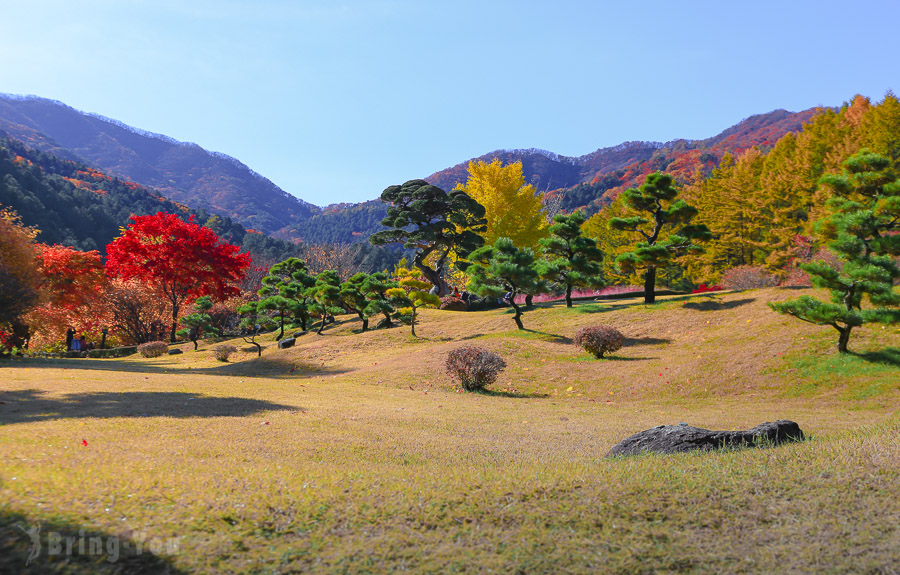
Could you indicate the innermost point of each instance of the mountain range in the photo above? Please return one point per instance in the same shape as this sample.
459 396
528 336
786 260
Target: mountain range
217 183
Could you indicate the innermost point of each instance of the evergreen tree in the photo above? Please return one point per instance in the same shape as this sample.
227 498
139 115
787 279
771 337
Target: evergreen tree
284 292
656 197
503 269
353 297
376 288
327 294
572 260
862 226
199 321
431 221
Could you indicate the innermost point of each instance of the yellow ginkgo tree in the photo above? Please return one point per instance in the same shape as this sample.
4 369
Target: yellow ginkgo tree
513 208
412 294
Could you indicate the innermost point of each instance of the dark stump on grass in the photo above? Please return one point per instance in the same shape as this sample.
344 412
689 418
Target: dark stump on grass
683 437
286 343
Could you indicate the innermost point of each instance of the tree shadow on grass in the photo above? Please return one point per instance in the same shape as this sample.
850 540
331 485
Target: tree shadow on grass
622 358
266 367
717 305
28 405
887 356
513 394
636 341
100 553
549 336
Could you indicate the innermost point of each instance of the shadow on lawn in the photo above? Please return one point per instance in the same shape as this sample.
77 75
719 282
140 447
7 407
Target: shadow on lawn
550 336
636 341
887 356
514 394
23 406
101 552
257 367
717 305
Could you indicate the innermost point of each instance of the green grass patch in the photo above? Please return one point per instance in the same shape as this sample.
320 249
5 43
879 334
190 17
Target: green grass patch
863 375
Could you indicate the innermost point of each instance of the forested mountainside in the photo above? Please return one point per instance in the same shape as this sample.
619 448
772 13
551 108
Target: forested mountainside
181 171
81 207
341 224
595 179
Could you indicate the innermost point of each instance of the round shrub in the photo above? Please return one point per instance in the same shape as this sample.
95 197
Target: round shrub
599 339
473 367
153 349
223 351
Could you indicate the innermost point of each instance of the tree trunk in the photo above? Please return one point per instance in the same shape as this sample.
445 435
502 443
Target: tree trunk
175 309
324 317
365 321
412 322
528 299
650 286
568 296
844 339
518 317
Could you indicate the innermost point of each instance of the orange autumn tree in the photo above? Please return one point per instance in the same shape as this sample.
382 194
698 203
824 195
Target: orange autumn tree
179 259
72 283
19 277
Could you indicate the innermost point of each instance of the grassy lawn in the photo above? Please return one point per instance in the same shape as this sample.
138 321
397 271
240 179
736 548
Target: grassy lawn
353 453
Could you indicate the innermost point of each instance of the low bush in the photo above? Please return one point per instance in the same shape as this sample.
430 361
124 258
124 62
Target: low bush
473 367
599 339
748 277
223 351
451 303
153 349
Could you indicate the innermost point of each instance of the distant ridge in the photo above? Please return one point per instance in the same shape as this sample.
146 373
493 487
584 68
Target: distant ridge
184 171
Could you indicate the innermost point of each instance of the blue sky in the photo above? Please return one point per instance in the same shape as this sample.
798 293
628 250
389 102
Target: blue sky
334 101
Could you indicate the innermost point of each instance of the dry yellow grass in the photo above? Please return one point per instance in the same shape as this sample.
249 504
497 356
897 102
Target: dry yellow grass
353 453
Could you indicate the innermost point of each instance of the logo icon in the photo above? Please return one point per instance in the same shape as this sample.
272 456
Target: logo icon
34 533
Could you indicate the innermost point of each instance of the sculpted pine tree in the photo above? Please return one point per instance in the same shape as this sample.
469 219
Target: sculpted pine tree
327 294
284 292
571 259
656 199
428 219
863 226
353 297
503 269
199 321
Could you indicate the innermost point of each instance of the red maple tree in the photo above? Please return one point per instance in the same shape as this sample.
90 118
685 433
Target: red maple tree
179 259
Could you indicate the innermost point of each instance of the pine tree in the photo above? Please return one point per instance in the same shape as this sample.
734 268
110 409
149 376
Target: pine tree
353 297
431 221
572 260
327 294
503 269
656 198
862 226
199 321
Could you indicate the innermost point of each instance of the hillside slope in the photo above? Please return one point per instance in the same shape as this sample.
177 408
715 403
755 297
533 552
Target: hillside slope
181 171
77 206
597 177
